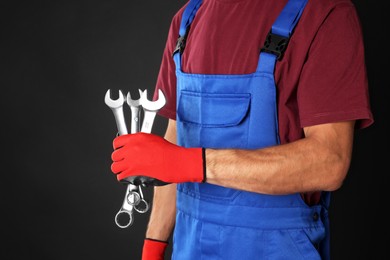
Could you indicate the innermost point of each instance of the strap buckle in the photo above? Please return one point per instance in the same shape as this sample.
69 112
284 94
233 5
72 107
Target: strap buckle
275 44
180 44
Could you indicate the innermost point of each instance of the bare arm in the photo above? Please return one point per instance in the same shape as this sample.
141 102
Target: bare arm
319 161
162 217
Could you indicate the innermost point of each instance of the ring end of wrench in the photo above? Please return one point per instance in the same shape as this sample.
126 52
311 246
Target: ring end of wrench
124 213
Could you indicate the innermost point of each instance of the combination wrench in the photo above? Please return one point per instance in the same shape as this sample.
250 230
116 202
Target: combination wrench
150 109
132 195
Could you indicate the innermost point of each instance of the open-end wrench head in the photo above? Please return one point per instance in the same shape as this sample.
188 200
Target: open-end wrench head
152 105
140 93
133 102
114 103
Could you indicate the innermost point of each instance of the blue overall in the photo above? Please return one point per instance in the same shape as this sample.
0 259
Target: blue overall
239 111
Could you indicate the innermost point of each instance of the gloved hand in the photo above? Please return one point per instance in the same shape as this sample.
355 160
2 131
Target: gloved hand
153 249
145 158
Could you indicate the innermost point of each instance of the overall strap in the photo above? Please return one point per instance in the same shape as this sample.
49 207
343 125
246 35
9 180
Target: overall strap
186 20
279 36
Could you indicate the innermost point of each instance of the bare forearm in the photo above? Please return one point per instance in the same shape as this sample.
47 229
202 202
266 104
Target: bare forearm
162 217
310 164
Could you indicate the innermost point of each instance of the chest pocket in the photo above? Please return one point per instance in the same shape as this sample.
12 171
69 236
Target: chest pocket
213 120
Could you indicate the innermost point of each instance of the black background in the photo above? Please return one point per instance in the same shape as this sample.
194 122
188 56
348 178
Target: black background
59 197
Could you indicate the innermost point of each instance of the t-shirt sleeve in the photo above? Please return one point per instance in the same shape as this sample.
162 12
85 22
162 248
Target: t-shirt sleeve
166 79
333 85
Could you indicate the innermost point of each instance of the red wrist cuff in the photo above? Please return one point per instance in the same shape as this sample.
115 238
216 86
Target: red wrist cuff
153 249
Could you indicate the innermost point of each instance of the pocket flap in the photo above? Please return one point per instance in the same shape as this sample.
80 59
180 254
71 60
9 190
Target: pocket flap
213 109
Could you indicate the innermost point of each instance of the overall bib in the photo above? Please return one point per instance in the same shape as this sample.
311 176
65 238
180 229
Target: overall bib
240 111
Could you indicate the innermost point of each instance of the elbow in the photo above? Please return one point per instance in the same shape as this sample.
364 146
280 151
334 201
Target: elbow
334 184
338 172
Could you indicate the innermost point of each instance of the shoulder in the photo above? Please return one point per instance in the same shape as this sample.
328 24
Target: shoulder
178 15
175 23
321 10
333 17
325 5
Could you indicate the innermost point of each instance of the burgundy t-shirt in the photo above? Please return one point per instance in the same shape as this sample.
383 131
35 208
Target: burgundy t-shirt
321 78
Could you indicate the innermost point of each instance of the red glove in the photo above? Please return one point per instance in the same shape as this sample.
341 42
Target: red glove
153 249
145 158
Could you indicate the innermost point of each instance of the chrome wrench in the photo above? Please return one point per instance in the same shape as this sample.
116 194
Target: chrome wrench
129 202
150 109
136 198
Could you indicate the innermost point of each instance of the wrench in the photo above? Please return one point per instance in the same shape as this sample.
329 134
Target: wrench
131 191
134 198
150 109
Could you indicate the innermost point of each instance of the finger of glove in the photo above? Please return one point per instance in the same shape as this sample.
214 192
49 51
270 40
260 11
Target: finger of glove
120 166
126 173
121 140
118 155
